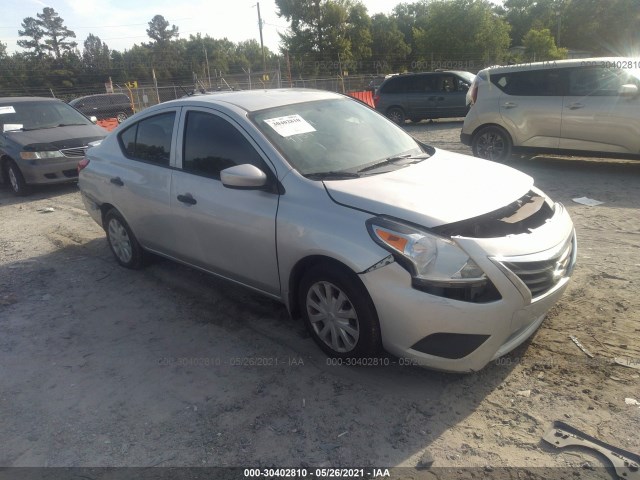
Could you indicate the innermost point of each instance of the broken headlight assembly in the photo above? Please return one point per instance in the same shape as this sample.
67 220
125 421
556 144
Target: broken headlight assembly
437 264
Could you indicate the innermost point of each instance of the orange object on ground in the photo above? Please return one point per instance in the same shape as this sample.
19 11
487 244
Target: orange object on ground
365 97
108 123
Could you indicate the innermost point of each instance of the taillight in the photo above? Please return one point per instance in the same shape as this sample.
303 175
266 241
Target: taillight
376 99
82 163
474 92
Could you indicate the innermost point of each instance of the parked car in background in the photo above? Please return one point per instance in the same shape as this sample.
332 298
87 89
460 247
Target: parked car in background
105 105
318 201
429 95
588 106
41 141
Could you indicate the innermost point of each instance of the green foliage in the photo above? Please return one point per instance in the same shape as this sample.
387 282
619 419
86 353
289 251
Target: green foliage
458 30
55 33
389 48
326 36
540 45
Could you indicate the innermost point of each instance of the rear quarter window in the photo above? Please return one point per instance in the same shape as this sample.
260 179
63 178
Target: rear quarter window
393 85
536 83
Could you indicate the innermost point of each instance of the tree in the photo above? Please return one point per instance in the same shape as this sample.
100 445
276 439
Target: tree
603 28
540 45
33 30
55 32
389 48
460 33
96 55
335 33
523 15
159 30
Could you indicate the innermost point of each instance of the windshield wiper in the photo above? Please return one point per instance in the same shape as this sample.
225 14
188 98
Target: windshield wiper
70 124
394 159
331 175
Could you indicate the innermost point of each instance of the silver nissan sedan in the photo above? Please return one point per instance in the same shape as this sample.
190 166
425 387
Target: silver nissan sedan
375 240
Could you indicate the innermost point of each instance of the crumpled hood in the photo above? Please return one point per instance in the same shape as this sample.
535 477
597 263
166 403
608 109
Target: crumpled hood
446 188
61 137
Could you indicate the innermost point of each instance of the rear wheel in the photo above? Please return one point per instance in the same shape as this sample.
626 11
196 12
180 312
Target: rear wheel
339 312
121 117
492 143
13 176
396 115
122 241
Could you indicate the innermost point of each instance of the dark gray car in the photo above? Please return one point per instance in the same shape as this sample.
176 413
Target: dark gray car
105 105
428 95
41 141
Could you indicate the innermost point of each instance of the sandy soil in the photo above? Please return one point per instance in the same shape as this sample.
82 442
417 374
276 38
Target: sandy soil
102 366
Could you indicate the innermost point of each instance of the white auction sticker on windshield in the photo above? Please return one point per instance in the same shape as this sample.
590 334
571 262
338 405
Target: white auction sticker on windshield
290 125
8 109
9 127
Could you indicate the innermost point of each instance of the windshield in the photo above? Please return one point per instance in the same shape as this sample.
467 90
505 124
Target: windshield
38 115
329 136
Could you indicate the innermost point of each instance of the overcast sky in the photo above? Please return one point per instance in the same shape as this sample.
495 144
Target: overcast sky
122 23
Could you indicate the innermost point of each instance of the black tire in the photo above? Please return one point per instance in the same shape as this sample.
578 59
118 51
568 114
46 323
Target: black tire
353 334
14 178
396 115
122 241
121 117
492 143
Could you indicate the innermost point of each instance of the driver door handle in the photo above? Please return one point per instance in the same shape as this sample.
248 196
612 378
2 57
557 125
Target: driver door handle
575 106
117 181
187 198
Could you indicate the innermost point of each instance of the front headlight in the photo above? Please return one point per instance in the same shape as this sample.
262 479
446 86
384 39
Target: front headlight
39 155
436 263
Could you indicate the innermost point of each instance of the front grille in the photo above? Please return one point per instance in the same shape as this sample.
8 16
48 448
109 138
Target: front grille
74 152
542 276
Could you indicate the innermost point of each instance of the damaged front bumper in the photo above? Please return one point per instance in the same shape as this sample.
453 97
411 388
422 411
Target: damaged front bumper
453 335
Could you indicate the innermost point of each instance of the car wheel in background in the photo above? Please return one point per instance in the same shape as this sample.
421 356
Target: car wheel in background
14 178
122 241
339 312
396 115
492 143
121 117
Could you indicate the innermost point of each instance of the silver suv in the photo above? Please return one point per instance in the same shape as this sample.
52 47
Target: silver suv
586 106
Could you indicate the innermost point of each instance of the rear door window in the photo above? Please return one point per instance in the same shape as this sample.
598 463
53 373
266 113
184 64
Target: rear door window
149 140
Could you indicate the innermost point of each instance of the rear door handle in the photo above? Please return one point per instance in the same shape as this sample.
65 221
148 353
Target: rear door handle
509 105
575 106
117 181
187 198
440 99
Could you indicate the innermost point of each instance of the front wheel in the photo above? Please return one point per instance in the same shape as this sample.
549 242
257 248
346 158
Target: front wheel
492 143
14 177
122 241
396 115
339 312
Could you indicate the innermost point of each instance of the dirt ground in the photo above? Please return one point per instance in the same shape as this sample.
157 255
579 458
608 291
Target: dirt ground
101 366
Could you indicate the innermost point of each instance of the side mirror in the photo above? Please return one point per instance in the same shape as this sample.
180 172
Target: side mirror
244 176
93 119
629 90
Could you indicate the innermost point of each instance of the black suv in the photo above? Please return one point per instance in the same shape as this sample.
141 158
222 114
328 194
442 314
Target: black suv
418 96
106 105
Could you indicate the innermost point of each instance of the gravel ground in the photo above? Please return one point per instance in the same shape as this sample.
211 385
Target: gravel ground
106 367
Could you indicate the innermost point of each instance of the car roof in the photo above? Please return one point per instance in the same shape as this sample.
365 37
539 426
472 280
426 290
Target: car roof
254 100
573 62
14 100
